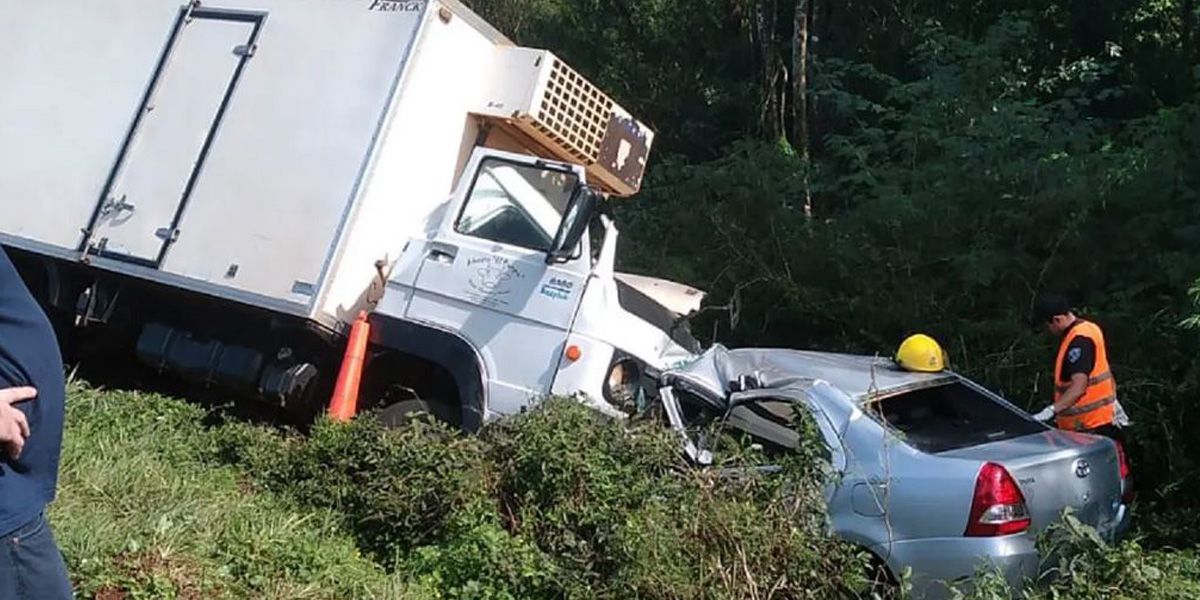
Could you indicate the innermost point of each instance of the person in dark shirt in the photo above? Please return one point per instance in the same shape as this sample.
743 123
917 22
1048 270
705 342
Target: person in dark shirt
1085 391
32 400
1080 357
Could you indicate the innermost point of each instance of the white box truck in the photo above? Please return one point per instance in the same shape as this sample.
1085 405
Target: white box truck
231 183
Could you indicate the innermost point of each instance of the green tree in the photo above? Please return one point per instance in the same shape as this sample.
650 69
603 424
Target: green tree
911 166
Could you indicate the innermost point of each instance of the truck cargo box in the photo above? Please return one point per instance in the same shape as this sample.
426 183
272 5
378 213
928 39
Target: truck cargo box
225 186
277 153
233 148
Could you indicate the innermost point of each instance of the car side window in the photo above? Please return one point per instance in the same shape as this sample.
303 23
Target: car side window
516 204
697 414
776 424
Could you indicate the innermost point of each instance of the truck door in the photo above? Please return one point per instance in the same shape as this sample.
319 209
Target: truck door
172 129
486 274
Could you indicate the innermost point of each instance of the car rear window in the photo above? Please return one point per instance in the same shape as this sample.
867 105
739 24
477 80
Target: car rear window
951 416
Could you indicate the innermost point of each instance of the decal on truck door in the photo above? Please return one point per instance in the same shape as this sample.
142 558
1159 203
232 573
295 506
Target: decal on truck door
558 288
137 216
490 283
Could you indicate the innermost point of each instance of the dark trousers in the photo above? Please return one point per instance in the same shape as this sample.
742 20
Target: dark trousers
1111 432
31 567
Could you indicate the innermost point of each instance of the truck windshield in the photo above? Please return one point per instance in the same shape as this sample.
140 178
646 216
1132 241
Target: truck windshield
516 204
951 416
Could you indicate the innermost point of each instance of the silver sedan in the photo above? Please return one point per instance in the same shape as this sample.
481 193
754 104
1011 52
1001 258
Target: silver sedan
933 472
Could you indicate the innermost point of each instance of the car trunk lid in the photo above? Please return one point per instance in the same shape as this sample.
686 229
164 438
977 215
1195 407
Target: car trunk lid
1056 469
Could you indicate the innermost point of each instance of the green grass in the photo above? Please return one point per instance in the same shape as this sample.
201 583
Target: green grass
143 512
156 503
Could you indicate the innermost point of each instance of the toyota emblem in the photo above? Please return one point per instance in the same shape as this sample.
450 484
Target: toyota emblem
1082 468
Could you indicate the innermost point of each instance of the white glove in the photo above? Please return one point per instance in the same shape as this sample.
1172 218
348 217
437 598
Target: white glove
1046 414
1120 418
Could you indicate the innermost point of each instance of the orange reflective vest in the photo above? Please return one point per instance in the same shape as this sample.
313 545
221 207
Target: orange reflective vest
1096 407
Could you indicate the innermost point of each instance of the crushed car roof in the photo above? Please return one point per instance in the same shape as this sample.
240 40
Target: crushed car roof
855 375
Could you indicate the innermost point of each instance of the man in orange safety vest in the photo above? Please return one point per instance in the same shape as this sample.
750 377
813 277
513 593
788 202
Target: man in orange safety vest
1085 392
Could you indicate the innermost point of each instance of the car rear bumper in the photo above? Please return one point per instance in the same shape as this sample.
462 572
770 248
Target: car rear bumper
1115 531
939 563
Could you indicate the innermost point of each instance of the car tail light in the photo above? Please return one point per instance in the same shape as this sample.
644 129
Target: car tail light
1126 483
1122 463
998 507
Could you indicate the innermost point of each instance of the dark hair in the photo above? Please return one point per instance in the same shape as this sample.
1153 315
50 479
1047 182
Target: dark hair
1047 306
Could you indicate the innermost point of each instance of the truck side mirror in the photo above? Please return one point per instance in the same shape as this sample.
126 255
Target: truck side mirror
580 211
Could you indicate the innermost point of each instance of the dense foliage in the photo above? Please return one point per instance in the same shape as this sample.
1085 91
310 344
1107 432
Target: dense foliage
160 500
557 503
955 159
1085 567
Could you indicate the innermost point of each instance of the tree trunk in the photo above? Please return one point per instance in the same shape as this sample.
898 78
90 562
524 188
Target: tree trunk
800 28
800 75
764 32
1190 39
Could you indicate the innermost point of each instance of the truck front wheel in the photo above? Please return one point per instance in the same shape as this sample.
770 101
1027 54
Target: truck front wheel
403 412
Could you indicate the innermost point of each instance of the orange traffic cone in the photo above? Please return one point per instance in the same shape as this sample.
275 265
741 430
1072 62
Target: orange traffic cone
344 402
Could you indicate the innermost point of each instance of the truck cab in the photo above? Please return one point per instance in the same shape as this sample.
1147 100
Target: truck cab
509 270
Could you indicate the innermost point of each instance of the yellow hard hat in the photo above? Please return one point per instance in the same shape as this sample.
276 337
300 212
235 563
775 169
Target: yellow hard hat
921 353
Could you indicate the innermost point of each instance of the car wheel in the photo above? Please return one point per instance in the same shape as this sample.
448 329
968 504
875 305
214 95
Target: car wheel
883 584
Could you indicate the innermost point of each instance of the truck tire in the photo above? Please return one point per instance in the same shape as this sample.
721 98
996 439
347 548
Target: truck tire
403 412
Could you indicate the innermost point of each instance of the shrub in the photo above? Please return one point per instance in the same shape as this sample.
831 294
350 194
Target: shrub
569 478
484 562
623 515
1086 567
1082 566
397 489
559 502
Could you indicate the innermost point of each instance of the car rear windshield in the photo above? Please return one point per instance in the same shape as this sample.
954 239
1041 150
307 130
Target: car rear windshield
951 416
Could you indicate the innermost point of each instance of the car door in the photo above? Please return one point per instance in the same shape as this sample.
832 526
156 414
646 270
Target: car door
857 493
772 418
486 274
777 419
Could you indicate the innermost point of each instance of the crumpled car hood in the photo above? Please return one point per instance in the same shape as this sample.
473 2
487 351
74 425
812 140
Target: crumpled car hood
717 371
